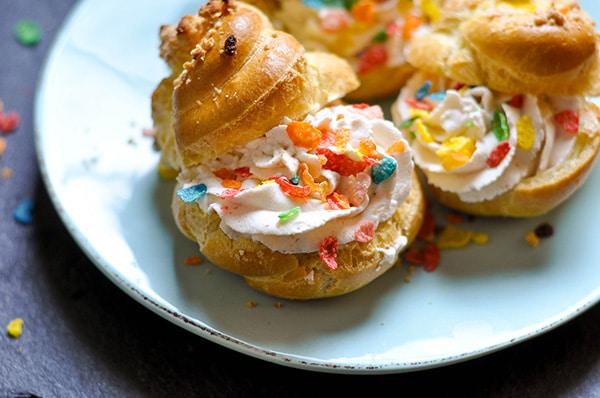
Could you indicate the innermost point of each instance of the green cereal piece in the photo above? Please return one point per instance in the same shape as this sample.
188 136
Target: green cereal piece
28 33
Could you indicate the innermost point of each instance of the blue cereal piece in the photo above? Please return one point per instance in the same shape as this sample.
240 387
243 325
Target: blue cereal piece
191 194
384 170
23 213
423 91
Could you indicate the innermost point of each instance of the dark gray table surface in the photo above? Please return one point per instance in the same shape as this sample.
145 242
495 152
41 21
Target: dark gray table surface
84 337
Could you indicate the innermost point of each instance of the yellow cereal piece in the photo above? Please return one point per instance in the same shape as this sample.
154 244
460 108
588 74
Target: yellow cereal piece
481 238
420 113
453 237
397 147
525 133
456 152
423 131
431 9
15 328
532 239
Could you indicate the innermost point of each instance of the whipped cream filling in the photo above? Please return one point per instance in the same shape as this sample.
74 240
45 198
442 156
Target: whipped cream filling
479 143
368 38
354 177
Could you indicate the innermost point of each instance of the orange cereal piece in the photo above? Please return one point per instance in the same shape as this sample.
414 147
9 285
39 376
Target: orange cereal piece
532 239
304 134
225 174
235 184
3 145
251 304
411 24
192 260
369 149
397 147
337 201
364 11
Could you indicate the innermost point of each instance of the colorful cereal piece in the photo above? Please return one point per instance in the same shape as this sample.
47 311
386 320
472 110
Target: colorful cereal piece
364 232
397 147
304 134
437 96
341 163
15 328
242 172
454 237
423 91
431 9
532 239
423 131
498 154
568 120
335 21
294 191
337 201
3 145
28 33
192 260
290 214
525 133
9 121
500 126
456 151
23 213
431 257
406 123
373 57
364 11
225 174
425 106
384 170
516 101
411 24
235 184
192 193
358 188
480 238
328 252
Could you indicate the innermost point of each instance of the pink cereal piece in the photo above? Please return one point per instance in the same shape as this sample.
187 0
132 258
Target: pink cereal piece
328 252
365 232
358 188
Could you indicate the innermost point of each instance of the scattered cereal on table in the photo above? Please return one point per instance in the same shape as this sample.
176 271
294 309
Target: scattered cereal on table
532 239
192 260
251 304
23 213
3 145
27 32
15 328
6 172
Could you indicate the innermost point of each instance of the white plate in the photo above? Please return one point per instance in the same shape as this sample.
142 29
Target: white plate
91 107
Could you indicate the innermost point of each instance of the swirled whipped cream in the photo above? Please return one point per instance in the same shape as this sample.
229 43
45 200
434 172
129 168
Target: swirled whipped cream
336 174
479 143
368 33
